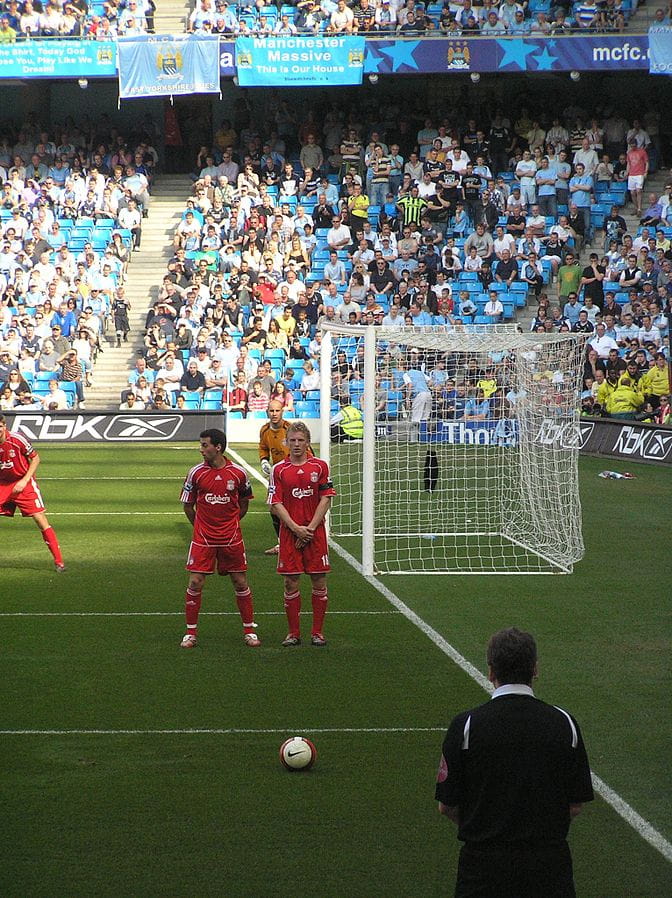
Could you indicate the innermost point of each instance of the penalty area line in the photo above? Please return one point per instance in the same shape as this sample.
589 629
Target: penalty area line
229 731
627 813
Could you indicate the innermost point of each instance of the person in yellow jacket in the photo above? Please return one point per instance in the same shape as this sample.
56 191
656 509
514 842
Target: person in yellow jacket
605 391
625 400
347 424
656 381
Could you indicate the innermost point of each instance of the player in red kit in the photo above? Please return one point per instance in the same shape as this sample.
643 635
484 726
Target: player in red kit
215 497
18 488
300 492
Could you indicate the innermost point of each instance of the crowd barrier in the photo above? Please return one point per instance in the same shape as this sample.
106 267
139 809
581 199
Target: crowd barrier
627 440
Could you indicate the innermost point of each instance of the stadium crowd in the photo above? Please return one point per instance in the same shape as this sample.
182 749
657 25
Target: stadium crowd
534 18
71 211
434 224
105 19
30 19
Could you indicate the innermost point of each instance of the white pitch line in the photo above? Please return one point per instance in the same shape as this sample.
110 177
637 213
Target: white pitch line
232 731
107 514
164 613
642 826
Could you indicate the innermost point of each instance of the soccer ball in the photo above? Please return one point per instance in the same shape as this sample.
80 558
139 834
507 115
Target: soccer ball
298 753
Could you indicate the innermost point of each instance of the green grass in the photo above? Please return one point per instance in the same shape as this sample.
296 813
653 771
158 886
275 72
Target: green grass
215 814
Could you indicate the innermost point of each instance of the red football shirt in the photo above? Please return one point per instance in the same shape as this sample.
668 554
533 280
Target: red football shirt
16 454
217 493
300 487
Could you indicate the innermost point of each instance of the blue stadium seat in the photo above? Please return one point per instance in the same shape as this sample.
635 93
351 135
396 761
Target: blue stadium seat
278 354
303 409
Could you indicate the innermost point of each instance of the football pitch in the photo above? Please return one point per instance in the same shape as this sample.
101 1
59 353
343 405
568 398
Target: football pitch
134 768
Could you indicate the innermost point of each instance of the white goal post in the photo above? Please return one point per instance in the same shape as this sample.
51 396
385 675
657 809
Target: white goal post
479 475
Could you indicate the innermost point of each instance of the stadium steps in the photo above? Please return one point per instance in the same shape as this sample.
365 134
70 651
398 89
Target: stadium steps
171 16
654 184
144 277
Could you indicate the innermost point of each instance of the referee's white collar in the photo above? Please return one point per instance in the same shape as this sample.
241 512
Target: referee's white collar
513 689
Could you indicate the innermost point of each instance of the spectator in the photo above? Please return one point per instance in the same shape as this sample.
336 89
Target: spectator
493 307
238 395
193 380
132 403
283 395
72 372
257 400
310 379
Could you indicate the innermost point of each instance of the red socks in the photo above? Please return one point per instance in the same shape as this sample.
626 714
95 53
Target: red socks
49 536
192 605
319 600
246 609
292 610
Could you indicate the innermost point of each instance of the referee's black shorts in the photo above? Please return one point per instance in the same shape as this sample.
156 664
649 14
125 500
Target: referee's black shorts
514 871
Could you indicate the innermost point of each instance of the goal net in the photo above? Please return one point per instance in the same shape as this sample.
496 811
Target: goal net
467 463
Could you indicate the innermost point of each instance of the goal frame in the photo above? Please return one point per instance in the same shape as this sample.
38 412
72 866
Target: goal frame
506 335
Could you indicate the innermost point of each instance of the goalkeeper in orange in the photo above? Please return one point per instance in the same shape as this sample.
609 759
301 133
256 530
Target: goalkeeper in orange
273 449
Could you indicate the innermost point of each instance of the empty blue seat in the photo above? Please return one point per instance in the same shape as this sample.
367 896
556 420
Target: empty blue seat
304 409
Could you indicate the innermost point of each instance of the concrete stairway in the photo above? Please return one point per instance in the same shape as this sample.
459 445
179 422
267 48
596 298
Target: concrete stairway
171 16
145 274
654 184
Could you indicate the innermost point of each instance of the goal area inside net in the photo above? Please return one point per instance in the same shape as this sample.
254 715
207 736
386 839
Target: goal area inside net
465 457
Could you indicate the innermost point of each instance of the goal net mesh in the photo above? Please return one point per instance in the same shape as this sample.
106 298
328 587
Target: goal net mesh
474 473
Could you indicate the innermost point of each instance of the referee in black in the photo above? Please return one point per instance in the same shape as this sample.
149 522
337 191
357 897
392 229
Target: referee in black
514 773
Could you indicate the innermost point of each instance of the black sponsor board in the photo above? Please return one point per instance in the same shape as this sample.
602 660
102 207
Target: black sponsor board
121 427
627 440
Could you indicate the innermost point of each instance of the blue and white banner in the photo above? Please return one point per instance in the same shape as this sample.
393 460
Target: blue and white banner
166 65
58 59
299 61
508 54
660 50
495 432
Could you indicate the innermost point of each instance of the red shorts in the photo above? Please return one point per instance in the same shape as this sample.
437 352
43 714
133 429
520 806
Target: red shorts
28 501
225 559
312 559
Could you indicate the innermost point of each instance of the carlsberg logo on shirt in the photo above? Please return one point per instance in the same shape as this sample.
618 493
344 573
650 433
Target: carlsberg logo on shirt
298 493
213 499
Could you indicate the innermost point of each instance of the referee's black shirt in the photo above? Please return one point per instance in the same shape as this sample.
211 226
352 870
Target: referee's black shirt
513 766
